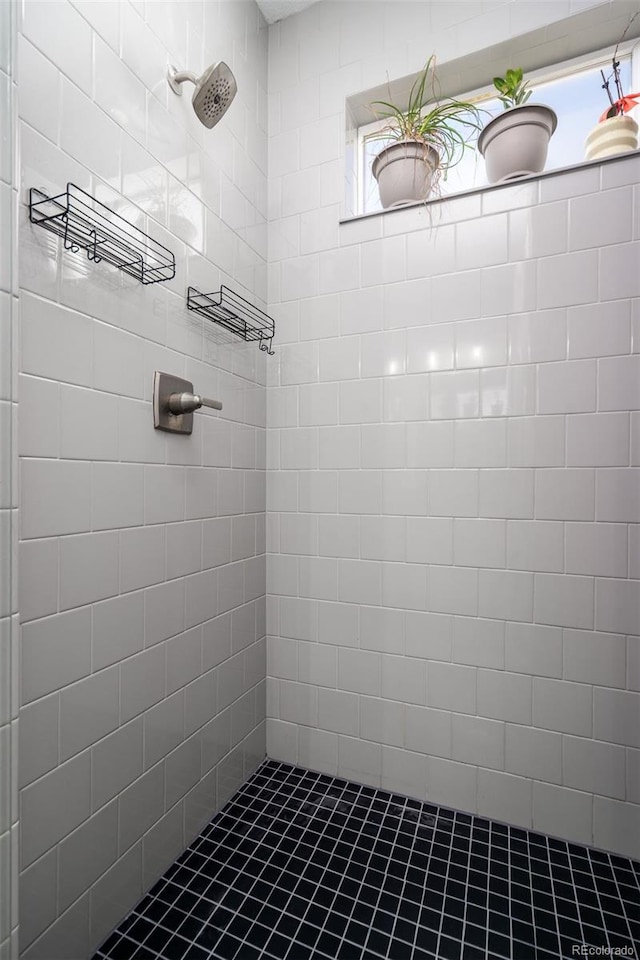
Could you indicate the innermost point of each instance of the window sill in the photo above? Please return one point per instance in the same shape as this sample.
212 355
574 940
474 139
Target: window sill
498 197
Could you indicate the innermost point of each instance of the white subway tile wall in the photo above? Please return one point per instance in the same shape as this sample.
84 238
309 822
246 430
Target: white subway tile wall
461 445
9 652
453 416
142 555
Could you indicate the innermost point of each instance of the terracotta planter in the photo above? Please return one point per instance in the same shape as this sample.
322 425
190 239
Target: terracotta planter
611 136
515 143
404 172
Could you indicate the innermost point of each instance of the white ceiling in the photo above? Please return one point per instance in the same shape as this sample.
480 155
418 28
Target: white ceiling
274 10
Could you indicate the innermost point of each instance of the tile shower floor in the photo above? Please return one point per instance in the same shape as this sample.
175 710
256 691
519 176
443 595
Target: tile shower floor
299 865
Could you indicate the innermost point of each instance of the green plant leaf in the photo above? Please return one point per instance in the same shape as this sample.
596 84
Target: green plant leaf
513 89
447 126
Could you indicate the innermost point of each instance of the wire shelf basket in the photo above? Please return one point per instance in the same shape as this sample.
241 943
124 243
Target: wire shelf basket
234 313
86 224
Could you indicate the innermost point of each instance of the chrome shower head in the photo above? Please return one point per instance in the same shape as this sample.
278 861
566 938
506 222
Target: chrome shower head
213 94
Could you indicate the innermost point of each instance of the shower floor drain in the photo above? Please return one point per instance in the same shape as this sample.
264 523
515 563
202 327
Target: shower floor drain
300 865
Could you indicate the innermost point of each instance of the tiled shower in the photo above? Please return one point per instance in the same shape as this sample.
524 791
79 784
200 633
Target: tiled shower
402 561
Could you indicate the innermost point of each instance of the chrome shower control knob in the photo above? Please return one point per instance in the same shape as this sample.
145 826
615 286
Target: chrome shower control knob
174 403
188 402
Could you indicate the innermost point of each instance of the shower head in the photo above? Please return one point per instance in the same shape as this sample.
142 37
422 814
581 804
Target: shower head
213 93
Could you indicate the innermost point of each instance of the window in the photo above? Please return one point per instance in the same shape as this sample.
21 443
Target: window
573 90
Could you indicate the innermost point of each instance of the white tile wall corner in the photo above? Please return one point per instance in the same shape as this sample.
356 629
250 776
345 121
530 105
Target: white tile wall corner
142 555
454 421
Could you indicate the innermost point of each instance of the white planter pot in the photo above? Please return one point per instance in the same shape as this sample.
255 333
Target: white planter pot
404 172
514 144
611 136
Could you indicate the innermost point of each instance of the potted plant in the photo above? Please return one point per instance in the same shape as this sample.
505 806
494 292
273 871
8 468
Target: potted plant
422 141
615 132
514 144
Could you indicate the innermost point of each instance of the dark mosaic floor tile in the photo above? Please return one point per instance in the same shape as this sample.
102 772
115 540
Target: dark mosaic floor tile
227 947
469 952
378 942
110 943
157 940
427 939
123 949
302 866
246 952
449 949
176 948
207 939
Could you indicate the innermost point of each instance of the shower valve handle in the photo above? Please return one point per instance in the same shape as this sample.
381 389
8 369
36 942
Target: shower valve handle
174 403
188 402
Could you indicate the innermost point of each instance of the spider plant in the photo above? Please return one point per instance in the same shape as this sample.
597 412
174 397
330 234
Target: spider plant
444 126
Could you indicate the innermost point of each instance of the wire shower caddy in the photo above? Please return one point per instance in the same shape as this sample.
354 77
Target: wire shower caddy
235 314
85 223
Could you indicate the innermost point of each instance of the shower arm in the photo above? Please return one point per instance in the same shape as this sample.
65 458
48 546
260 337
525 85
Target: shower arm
177 77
